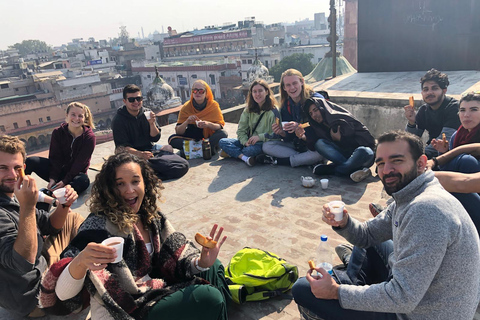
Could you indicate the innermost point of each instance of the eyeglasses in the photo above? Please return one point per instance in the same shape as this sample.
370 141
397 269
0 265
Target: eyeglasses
132 99
201 91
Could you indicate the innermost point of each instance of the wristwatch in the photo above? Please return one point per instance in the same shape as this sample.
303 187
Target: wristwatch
55 202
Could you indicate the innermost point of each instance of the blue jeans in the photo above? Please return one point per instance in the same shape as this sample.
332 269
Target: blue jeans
471 203
346 163
234 148
464 163
366 266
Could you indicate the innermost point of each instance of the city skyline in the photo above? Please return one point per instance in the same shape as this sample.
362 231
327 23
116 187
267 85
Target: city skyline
56 23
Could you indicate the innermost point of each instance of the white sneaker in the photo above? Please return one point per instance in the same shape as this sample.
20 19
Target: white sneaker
361 175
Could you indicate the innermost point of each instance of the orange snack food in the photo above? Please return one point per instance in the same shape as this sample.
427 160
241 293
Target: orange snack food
277 121
411 102
21 172
204 242
311 264
304 125
444 138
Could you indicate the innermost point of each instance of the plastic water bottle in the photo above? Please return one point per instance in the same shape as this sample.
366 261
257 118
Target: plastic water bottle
324 255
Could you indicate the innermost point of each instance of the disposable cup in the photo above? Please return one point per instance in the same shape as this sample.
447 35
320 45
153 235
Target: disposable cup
148 115
117 243
324 183
336 207
284 123
60 195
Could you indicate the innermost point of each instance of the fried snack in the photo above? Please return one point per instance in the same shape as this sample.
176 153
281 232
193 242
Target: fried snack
411 102
311 264
304 125
277 121
444 138
204 242
21 172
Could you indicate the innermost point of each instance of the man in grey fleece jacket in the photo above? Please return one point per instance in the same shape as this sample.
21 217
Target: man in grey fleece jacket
435 262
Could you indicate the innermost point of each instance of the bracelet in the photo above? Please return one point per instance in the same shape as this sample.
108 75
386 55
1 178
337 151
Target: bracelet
198 267
435 161
411 125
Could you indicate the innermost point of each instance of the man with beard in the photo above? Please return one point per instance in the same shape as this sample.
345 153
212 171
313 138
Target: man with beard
24 254
438 115
428 271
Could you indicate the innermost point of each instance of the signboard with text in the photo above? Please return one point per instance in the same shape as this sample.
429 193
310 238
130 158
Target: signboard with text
208 37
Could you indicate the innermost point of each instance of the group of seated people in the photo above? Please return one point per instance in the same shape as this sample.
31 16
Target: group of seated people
417 259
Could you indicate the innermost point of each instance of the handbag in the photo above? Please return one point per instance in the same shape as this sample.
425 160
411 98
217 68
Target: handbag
192 149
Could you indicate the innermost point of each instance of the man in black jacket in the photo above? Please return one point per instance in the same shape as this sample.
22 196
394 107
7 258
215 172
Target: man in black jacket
24 255
438 115
134 133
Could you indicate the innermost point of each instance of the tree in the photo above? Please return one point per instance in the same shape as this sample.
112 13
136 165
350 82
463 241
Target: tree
29 46
300 61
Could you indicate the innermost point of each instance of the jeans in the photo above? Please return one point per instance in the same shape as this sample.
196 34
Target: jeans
471 203
346 163
464 163
234 148
282 149
366 266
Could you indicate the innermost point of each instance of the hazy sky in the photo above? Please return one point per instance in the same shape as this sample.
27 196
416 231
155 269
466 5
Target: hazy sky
58 21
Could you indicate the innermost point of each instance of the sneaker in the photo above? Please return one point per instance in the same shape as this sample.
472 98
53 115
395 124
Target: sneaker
344 251
375 209
324 169
265 159
250 161
223 154
361 175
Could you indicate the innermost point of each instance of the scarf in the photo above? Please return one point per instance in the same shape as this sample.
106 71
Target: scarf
464 136
119 286
211 112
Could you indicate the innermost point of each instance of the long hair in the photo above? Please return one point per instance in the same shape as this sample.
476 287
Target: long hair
307 91
88 120
270 101
105 197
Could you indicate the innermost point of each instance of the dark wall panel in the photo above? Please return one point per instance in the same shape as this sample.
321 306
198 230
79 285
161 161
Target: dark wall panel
413 35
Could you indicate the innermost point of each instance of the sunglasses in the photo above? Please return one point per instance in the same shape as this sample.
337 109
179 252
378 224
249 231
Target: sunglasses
201 91
132 99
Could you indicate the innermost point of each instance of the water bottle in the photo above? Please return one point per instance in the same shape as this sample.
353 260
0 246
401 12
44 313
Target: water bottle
207 151
324 255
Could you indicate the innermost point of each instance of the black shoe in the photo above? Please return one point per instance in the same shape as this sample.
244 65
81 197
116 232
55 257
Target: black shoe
324 169
265 159
344 251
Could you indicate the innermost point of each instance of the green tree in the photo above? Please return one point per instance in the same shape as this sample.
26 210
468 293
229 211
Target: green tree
29 46
300 61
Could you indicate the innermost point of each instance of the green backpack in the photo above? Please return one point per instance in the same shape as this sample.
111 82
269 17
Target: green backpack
255 274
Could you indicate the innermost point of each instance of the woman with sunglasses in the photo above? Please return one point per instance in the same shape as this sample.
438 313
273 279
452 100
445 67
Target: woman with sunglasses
199 118
255 125
463 155
160 275
71 148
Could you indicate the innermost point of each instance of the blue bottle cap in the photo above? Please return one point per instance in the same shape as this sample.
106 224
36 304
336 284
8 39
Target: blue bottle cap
323 237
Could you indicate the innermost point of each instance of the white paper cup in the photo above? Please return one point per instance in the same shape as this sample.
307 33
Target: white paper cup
117 243
60 195
284 123
336 207
148 115
324 183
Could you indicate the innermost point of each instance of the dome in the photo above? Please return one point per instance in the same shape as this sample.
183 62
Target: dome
160 95
257 70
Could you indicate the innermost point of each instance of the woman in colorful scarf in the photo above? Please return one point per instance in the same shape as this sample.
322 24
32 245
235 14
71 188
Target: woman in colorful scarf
464 149
200 118
255 125
162 274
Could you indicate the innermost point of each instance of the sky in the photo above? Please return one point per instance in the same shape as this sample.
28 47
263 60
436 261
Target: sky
57 22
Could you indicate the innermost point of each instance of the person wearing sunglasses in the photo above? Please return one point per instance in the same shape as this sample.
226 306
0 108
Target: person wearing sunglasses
199 118
135 134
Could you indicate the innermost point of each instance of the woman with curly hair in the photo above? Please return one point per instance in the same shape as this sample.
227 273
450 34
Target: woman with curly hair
255 125
162 274
71 149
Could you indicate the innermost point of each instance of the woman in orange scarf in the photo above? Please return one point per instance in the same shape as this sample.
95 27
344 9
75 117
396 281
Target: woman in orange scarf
199 118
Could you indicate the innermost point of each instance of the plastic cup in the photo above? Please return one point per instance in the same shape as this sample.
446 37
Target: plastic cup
148 115
284 123
324 183
60 195
117 243
336 207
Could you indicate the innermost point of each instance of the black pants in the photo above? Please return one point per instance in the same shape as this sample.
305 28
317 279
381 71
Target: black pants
41 166
176 140
168 165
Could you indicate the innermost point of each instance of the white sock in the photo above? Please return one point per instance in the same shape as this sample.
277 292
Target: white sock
245 158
